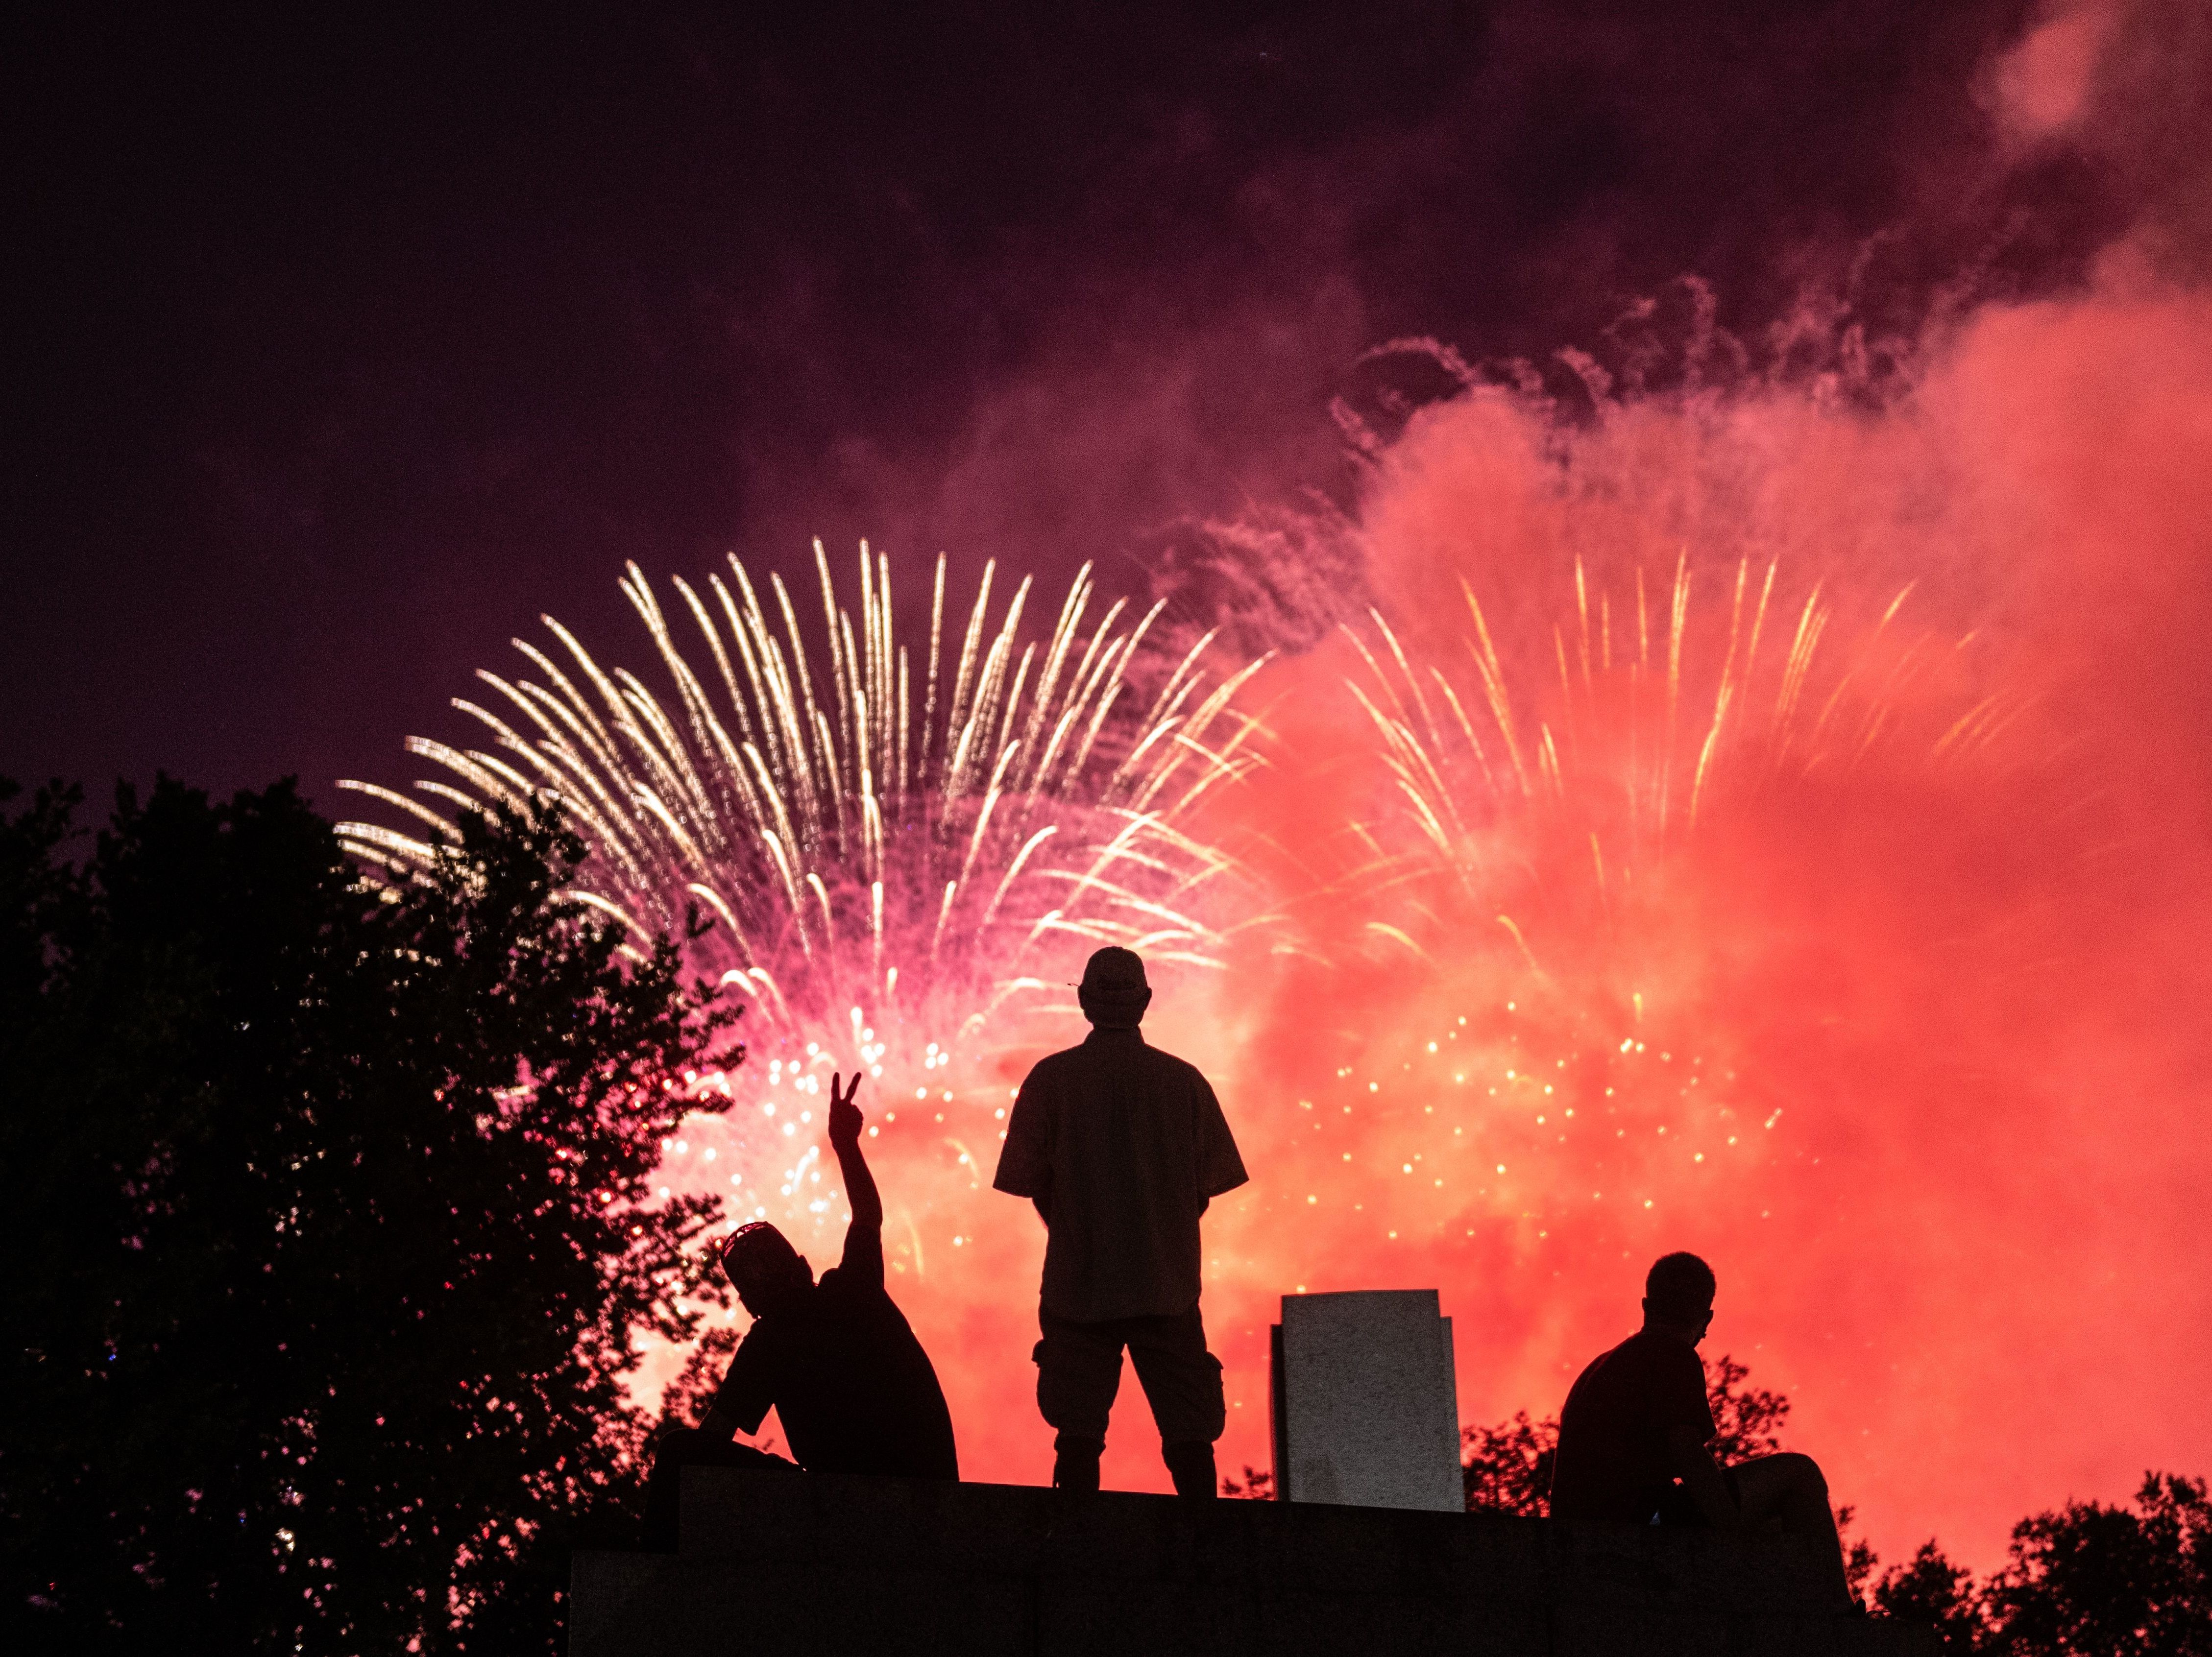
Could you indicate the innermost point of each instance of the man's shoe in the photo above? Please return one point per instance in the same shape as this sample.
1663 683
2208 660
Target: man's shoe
1191 1466
1075 1463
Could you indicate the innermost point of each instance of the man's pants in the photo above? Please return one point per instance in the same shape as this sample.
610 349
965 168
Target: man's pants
687 1446
1079 1371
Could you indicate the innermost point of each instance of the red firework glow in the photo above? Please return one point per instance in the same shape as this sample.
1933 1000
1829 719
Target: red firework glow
1858 944
1874 980
1902 1037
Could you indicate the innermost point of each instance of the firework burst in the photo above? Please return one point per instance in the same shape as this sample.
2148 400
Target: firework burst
1603 761
856 817
902 856
1542 922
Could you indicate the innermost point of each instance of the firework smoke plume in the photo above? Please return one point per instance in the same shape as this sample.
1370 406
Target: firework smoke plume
1764 812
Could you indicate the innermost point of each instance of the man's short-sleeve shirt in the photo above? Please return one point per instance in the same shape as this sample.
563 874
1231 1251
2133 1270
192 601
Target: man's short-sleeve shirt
1122 1146
1612 1461
854 1390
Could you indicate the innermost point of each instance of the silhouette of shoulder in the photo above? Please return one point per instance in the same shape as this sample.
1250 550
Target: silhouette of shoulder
1134 1055
1169 1064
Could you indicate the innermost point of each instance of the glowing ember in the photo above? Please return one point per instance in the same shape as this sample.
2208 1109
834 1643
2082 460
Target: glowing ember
1826 935
1693 891
908 859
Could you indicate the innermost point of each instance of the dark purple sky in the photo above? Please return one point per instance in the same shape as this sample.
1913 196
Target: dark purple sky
342 350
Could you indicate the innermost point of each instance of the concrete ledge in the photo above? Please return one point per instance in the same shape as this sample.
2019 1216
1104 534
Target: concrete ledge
819 1563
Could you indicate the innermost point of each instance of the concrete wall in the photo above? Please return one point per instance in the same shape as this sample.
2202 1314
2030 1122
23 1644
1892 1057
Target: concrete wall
818 1563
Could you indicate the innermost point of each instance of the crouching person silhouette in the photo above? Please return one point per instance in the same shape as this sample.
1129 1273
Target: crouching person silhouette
1122 1147
835 1359
1638 1419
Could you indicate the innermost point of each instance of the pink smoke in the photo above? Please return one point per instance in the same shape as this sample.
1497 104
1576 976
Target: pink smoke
1924 1031
1969 1247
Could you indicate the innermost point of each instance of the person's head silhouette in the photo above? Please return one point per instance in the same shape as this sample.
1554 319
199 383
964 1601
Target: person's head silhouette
1678 1297
768 1274
1113 993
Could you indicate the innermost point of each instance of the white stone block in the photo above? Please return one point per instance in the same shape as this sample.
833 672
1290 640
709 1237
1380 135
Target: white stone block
1363 1405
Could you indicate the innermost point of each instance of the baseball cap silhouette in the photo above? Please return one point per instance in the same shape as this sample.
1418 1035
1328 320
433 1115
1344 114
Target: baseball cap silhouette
1114 990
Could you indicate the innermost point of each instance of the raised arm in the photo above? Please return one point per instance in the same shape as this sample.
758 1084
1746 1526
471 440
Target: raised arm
864 1238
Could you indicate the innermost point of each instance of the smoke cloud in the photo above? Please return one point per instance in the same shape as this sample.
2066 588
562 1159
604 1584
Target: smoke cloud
1913 1049
1828 895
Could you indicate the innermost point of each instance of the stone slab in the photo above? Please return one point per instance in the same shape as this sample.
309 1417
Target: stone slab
1364 1404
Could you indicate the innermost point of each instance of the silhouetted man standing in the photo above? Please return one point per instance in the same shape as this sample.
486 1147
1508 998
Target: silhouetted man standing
1121 1146
1638 1419
835 1359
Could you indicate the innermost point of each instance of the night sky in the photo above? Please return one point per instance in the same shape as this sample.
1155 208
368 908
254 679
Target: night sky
343 348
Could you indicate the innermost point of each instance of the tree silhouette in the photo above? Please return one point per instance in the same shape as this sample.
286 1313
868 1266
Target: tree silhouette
2089 1580
2086 1580
329 1229
1929 1589
1508 1466
1258 1484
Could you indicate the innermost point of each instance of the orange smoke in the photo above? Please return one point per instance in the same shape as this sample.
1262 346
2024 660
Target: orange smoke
1903 1026
1906 1040
1902 1030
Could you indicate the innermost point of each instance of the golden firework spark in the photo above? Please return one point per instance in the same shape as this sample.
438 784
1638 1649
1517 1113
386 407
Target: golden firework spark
949 818
1627 735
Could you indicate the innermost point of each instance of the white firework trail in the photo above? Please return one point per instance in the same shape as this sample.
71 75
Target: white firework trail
884 835
1627 743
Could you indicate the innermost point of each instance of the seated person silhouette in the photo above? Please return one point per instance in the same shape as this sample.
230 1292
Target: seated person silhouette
1637 1421
835 1359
